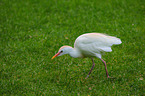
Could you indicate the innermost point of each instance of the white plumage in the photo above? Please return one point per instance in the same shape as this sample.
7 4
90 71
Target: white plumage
90 45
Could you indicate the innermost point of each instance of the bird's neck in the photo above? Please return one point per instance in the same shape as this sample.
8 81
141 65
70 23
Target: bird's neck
75 53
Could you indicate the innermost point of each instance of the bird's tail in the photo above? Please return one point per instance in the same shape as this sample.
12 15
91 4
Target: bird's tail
117 41
114 40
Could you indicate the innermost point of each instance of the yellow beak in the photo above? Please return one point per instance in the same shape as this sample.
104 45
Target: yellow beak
55 55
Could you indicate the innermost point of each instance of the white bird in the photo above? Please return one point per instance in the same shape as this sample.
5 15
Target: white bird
90 45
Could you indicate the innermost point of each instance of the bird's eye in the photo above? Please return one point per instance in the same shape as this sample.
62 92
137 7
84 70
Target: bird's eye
61 51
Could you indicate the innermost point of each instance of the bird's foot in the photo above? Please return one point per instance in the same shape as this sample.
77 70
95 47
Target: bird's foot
110 77
87 76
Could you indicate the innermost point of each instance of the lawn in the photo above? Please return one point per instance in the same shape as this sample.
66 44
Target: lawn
32 31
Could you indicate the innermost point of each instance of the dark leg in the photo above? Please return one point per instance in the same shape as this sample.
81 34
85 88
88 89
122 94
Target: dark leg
91 68
105 68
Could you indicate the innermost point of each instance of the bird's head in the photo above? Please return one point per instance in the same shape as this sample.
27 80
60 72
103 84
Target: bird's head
63 50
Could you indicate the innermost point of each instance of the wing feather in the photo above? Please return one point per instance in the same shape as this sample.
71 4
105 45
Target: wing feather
94 43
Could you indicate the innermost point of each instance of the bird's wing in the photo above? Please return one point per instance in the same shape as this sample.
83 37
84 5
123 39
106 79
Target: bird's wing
96 42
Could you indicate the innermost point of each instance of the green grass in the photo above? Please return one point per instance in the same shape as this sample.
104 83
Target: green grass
31 32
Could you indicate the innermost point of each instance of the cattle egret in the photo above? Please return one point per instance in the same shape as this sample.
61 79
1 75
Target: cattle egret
90 45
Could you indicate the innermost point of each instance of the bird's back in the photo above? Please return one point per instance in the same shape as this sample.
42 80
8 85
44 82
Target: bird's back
93 43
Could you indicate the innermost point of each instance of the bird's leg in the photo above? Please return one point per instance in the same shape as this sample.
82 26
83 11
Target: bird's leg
91 68
105 67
